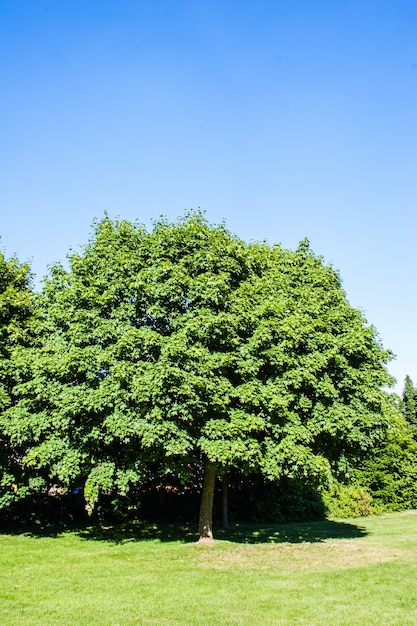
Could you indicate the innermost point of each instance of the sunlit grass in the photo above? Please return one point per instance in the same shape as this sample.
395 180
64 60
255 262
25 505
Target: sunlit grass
361 571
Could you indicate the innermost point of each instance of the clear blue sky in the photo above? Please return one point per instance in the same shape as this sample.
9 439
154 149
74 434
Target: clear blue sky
286 118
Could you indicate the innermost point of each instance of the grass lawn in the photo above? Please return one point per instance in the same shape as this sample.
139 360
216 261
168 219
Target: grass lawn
360 571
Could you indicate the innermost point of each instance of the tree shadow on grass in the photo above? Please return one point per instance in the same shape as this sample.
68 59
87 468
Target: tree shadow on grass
295 532
302 532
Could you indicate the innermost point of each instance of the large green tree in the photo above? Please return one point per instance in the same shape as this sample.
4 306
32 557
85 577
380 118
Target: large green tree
185 346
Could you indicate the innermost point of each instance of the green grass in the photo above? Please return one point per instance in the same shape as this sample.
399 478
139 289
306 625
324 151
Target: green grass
361 571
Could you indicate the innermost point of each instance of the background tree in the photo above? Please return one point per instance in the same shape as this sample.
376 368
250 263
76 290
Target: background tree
17 316
185 346
390 473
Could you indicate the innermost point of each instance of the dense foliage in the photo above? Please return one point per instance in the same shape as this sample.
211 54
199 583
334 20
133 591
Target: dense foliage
184 349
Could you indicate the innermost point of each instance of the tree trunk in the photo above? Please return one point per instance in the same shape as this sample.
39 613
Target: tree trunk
205 526
225 506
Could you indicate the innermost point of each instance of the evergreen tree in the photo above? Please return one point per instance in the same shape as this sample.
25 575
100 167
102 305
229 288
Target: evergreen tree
409 402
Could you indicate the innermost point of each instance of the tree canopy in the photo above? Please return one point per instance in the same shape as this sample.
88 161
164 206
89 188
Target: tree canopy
183 346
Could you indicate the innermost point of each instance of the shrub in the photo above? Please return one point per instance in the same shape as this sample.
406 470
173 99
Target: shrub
348 501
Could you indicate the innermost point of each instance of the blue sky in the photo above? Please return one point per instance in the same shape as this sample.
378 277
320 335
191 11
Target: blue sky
286 119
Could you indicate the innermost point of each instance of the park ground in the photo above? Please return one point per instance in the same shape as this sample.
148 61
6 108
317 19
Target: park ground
351 572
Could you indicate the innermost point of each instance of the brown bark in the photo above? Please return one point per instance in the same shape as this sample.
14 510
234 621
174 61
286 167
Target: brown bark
225 504
205 526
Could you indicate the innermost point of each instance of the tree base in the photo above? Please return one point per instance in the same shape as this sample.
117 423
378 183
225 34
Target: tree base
205 540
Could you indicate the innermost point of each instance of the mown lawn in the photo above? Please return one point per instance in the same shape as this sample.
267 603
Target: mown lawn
360 571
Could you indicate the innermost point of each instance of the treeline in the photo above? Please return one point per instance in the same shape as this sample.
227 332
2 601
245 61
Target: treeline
183 369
